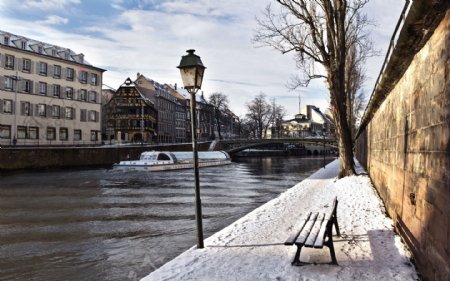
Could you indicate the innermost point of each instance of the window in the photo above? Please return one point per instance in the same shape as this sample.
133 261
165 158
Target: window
83 115
69 113
51 133
63 134
42 88
94 136
54 52
69 93
83 77
93 116
77 135
5 131
26 86
40 49
23 45
33 133
93 96
41 108
7 106
57 71
25 108
42 68
83 95
94 79
9 61
55 111
56 90
21 132
70 74
6 40
9 82
26 65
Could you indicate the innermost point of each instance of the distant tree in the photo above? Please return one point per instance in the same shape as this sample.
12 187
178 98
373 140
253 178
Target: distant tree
321 33
220 103
259 114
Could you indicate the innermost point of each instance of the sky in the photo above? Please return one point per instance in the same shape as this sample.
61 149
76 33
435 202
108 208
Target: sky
125 37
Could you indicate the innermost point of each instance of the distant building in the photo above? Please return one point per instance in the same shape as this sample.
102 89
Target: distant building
165 103
205 113
310 125
49 95
130 116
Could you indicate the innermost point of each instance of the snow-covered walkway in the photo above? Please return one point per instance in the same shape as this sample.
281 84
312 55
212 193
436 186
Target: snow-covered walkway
252 247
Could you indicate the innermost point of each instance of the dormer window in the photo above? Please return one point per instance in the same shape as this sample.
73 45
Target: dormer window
66 56
40 49
6 40
54 52
23 45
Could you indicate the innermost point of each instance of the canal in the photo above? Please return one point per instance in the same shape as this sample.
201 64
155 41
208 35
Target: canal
101 224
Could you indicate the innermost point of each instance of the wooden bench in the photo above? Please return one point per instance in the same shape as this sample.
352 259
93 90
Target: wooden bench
315 230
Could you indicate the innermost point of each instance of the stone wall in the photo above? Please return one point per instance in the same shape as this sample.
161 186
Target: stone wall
43 158
406 151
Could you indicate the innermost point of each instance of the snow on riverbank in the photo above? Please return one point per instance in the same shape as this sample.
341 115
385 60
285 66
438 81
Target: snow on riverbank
252 248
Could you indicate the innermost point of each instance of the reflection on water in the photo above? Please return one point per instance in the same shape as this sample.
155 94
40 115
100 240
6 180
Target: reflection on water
111 225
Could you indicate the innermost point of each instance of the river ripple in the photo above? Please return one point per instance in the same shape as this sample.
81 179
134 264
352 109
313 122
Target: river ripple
101 224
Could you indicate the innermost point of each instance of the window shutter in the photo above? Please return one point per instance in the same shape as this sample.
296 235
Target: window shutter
13 107
31 86
62 94
49 90
96 116
63 73
48 110
62 112
36 108
74 116
50 70
36 88
31 67
4 61
22 108
76 94
31 109
20 64
2 83
16 63
1 106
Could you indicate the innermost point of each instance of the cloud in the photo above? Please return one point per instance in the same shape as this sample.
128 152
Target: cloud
49 4
54 20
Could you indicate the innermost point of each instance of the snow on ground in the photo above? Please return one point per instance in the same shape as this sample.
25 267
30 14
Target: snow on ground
253 248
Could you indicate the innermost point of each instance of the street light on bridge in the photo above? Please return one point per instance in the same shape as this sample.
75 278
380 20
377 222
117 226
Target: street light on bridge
192 70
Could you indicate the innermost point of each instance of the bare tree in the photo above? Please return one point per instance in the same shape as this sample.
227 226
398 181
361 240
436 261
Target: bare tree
220 103
278 113
320 33
259 115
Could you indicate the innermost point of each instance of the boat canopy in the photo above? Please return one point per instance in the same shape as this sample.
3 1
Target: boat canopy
202 155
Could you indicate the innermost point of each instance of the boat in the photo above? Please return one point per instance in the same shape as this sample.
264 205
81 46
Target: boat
171 160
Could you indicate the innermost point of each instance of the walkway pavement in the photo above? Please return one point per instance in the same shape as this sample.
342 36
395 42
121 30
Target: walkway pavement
252 247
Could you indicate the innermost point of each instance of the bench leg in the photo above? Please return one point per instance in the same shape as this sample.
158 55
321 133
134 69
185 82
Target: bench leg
296 260
330 245
336 225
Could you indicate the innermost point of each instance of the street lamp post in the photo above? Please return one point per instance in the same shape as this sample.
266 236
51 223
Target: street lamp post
192 70
142 122
323 131
16 78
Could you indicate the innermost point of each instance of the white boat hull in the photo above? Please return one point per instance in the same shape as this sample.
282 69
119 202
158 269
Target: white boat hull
166 167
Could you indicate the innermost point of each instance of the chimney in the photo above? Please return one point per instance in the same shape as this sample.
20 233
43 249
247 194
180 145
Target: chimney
175 86
137 75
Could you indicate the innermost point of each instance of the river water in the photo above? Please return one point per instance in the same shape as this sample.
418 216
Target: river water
102 224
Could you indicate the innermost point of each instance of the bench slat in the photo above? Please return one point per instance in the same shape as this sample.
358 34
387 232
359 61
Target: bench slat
321 236
315 231
306 230
331 211
297 229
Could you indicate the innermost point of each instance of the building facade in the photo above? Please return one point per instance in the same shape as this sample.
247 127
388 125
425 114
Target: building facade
130 116
166 105
49 95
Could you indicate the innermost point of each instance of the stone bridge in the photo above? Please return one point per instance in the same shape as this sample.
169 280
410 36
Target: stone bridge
235 145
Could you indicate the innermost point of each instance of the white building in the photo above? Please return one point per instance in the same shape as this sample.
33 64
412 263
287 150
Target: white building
49 95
